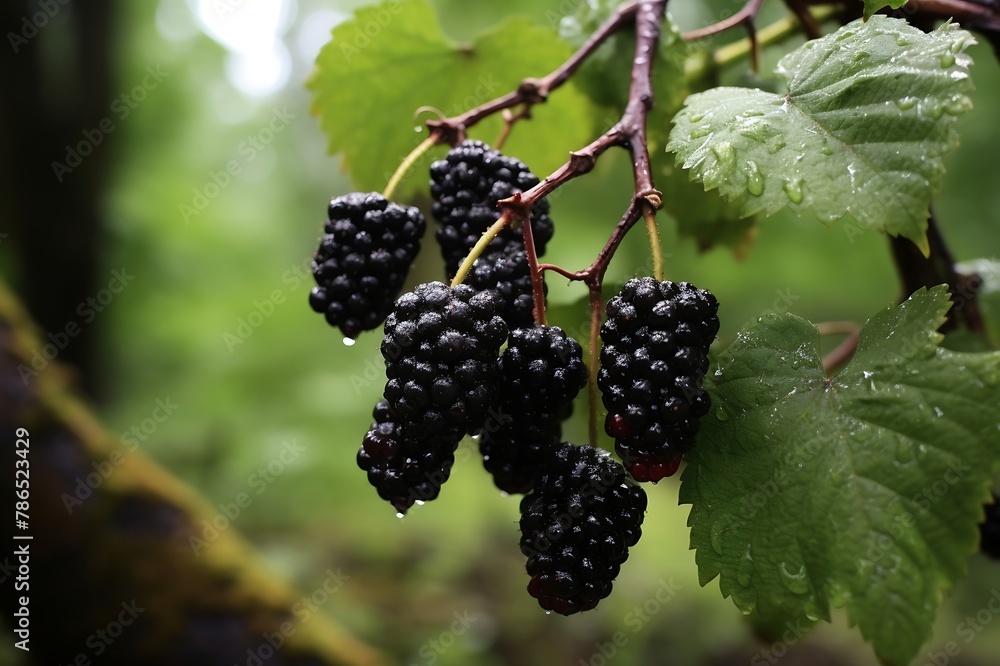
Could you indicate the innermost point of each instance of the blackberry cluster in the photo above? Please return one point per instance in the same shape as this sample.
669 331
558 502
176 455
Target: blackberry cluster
441 351
989 529
465 187
404 470
653 361
363 258
542 371
505 271
576 528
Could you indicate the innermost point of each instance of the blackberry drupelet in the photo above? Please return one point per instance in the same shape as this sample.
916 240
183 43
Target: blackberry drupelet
505 271
989 529
576 528
653 361
403 470
466 186
363 258
542 372
441 351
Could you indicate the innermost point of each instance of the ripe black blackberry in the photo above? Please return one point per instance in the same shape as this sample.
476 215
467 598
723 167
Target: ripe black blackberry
363 259
542 371
505 271
989 529
441 351
466 186
653 361
403 469
576 528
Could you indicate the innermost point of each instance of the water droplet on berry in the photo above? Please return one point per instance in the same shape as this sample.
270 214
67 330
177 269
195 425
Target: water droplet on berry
400 514
418 129
349 342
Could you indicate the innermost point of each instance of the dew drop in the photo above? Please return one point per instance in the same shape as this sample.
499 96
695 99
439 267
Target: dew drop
906 103
349 342
861 55
725 154
958 105
399 514
721 414
947 60
744 568
902 41
904 453
793 189
838 597
825 148
795 582
776 144
699 132
419 502
755 179
696 117
922 451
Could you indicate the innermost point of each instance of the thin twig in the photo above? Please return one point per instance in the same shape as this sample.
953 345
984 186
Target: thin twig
406 164
477 250
654 241
745 16
842 353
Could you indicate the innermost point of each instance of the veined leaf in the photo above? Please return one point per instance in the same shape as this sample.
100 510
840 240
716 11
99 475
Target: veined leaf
860 491
862 131
392 59
872 6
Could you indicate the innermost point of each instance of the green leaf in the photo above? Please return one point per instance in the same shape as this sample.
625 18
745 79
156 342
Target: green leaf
708 219
392 59
860 491
862 131
872 6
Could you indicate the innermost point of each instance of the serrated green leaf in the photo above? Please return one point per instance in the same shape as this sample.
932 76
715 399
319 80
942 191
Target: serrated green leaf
709 219
392 59
872 6
862 490
862 131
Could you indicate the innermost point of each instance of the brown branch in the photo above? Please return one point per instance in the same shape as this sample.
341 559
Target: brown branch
532 91
842 353
745 17
808 22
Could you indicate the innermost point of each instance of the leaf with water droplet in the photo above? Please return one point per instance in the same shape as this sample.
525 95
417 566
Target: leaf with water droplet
870 111
417 65
861 490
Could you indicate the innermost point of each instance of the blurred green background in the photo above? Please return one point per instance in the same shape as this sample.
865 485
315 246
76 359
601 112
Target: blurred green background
216 322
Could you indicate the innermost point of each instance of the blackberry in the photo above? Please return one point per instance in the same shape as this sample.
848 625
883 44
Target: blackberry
542 372
363 258
505 271
653 361
441 351
404 470
466 186
989 529
576 528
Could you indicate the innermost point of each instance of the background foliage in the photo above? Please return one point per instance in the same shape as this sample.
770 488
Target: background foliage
186 329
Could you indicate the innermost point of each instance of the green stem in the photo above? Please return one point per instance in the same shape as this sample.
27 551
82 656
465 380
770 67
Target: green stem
408 162
477 250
